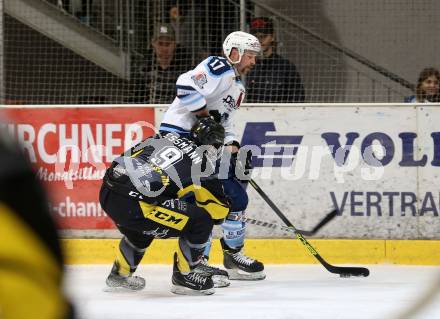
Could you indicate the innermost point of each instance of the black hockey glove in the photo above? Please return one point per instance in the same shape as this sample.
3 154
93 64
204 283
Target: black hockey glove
215 114
243 165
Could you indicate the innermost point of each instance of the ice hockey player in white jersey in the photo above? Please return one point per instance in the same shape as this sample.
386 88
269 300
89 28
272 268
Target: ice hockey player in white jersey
214 88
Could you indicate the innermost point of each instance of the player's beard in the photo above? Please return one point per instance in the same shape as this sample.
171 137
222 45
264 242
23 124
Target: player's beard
245 70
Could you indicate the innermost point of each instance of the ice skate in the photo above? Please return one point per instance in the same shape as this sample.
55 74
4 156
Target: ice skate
193 283
239 266
219 276
115 280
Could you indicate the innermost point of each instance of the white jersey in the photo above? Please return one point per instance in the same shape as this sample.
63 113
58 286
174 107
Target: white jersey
214 85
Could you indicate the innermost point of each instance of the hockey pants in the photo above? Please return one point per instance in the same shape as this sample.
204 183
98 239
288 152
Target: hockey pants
141 223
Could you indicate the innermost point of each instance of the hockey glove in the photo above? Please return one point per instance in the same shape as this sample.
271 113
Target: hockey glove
215 114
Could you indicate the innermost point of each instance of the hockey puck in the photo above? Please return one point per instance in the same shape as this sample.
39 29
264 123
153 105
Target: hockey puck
344 275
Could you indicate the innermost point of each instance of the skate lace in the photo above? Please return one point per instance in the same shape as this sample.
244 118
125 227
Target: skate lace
203 265
197 278
242 259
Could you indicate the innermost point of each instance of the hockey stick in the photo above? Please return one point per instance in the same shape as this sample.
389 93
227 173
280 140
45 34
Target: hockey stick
261 223
341 271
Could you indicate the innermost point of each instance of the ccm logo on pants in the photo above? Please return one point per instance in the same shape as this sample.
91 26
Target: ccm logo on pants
168 218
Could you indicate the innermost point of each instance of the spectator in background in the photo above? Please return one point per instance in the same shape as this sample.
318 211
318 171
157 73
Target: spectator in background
155 80
188 28
427 89
273 78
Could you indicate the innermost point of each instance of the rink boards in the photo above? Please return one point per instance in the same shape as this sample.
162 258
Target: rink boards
377 164
273 251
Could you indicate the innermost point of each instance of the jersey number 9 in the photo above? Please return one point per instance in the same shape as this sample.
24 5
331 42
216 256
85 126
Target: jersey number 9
167 156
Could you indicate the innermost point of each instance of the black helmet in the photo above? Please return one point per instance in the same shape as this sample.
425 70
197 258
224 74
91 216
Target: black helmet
206 131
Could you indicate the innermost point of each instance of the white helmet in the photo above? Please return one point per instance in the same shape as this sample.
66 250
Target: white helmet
241 41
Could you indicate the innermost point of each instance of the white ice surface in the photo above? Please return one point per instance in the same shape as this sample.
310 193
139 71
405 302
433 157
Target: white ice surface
289 291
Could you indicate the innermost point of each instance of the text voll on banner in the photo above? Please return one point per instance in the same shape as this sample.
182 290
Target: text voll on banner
377 165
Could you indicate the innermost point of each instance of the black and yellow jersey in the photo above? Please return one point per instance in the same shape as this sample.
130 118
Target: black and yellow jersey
168 166
31 260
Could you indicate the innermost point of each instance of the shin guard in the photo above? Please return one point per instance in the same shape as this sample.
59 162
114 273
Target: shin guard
128 257
208 247
234 230
189 255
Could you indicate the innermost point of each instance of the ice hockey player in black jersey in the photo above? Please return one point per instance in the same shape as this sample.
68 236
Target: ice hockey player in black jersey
141 193
31 257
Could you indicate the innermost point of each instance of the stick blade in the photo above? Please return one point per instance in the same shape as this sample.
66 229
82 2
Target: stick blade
326 219
321 224
346 272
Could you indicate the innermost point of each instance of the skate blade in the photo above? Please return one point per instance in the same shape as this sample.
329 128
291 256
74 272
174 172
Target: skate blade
237 274
220 281
121 290
179 290
116 286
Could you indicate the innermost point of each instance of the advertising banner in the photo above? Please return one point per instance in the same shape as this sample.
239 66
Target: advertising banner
70 149
379 166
